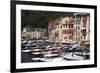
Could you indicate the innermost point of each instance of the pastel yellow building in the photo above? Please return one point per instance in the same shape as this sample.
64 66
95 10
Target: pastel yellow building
66 30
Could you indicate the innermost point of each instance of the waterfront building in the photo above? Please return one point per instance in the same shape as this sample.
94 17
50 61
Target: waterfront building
82 27
53 30
39 33
66 30
61 30
36 33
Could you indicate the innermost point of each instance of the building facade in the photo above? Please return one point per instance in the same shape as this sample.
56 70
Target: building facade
39 33
35 33
27 31
82 27
61 30
53 30
66 30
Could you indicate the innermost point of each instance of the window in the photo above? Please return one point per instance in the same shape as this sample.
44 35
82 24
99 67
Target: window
84 21
66 21
78 27
65 37
70 25
64 31
70 37
69 31
64 25
56 34
60 26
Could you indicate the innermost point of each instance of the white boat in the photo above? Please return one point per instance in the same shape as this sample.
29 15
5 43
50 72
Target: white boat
26 51
36 50
35 59
51 55
36 53
58 59
24 41
74 57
